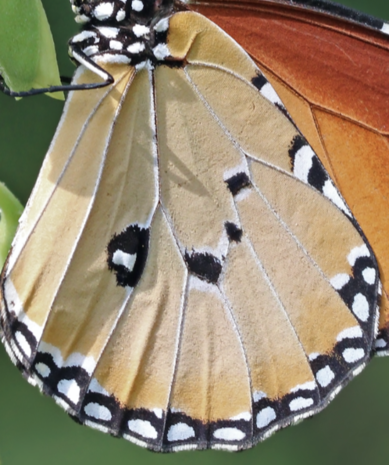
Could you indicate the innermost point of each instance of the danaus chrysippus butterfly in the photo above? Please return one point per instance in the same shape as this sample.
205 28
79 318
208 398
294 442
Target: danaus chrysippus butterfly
186 275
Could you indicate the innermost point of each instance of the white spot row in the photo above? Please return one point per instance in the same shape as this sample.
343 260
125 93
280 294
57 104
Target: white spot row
265 417
75 359
270 94
137 47
303 162
103 11
137 5
180 432
161 51
369 275
340 280
258 395
121 14
143 428
385 28
100 412
91 50
229 434
108 32
85 35
300 403
325 376
70 389
352 355
350 333
113 58
330 191
380 343
268 414
115 45
42 369
162 25
309 386
95 386
23 344
360 307
82 19
140 31
357 252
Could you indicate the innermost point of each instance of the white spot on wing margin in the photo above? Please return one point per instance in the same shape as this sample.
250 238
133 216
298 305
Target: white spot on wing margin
180 432
143 427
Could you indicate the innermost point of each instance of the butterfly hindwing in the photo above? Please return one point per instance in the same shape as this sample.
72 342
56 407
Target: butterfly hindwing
319 58
186 275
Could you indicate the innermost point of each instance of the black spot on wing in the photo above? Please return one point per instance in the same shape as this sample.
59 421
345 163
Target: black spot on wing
133 241
259 81
204 265
317 175
238 182
233 232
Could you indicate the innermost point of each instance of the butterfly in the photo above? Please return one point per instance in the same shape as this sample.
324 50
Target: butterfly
186 275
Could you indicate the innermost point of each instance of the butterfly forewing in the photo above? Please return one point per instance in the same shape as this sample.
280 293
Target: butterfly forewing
186 275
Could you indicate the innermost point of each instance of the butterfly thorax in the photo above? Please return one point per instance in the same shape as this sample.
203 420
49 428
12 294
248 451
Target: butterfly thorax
124 32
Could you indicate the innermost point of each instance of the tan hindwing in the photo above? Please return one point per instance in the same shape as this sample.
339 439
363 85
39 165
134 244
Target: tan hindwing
186 275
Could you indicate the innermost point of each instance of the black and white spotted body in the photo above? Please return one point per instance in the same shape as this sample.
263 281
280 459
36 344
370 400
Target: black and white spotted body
123 32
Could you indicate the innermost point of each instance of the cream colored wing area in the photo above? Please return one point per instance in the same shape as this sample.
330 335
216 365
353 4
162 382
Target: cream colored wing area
195 157
251 120
138 362
77 279
331 252
40 265
80 109
212 380
127 194
276 359
197 40
299 284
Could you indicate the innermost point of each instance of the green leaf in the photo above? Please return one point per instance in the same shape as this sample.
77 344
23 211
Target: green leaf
27 53
10 211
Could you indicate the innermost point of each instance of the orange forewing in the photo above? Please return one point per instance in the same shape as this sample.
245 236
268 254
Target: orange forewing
332 75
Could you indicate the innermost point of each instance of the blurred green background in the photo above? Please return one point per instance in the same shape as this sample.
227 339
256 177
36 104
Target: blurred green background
34 431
